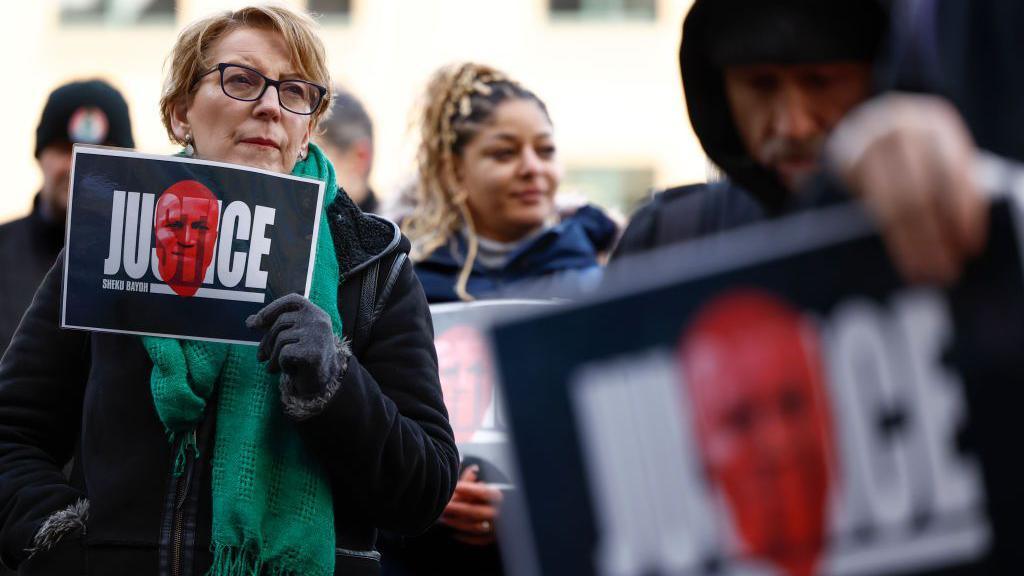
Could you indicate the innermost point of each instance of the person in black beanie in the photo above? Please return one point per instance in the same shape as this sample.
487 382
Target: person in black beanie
91 112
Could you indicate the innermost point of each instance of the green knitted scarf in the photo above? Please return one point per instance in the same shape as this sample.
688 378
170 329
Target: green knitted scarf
272 506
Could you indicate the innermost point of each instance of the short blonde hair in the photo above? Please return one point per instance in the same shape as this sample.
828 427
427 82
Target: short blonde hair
189 57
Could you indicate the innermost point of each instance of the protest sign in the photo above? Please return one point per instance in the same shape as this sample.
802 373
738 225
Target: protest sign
180 247
775 401
474 401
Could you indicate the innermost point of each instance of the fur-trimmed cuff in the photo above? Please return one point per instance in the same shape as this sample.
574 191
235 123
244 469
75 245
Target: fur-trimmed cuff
70 520
300 407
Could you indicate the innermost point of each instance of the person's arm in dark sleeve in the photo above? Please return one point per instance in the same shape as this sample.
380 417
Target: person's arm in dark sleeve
384 435
672 216
42 382
640 233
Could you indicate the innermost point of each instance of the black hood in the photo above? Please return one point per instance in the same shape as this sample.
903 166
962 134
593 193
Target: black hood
703 86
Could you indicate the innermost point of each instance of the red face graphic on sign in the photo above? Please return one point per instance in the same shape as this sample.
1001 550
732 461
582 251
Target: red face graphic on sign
754 375
466 378
185 223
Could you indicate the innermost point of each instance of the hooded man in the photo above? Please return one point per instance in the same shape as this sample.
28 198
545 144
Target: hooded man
776 90
91 112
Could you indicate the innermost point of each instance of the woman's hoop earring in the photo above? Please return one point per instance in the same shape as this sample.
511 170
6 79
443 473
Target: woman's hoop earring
190 150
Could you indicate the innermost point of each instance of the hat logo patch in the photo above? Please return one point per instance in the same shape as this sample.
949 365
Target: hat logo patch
88 125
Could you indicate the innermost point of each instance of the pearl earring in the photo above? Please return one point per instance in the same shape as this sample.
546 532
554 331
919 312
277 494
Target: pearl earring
190 150
302 155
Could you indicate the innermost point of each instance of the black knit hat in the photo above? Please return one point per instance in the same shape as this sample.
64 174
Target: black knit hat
92 112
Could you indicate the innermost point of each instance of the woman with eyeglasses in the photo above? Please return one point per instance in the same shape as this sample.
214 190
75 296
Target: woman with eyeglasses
352 436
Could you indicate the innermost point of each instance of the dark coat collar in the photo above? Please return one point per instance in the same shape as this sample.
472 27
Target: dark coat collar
359 238
572 243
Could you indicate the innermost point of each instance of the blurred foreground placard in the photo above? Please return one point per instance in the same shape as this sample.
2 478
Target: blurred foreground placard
775 401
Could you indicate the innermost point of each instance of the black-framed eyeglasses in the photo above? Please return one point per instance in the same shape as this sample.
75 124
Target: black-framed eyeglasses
245 84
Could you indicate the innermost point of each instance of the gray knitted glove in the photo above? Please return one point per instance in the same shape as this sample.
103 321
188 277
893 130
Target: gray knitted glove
300 344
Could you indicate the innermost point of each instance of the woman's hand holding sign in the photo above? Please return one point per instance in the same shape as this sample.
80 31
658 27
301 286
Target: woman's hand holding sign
300 344
472 510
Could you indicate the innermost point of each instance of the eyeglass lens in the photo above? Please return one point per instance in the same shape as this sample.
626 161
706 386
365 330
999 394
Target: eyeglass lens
244 84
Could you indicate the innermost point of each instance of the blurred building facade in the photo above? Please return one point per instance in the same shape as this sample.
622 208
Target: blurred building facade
606 68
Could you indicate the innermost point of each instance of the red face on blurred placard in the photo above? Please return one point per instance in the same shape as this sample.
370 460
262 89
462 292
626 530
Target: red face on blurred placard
185 223
466 378
754 376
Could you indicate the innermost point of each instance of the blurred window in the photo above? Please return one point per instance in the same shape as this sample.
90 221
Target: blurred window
330 8
622 189
604 9
122 12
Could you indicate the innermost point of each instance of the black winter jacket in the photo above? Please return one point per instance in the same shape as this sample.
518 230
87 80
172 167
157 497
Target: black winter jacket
28 247
697 210
384 437
687 212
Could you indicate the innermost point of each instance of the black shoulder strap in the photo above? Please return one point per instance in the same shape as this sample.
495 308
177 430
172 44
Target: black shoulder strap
389 283
373 297
367 300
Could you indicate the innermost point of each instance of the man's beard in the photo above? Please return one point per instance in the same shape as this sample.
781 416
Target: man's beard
778 151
